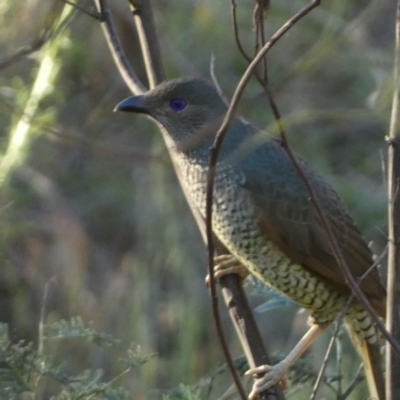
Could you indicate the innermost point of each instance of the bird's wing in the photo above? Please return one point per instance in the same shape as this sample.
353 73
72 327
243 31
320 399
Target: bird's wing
288 218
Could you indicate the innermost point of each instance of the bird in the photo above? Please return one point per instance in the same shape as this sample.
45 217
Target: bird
263 214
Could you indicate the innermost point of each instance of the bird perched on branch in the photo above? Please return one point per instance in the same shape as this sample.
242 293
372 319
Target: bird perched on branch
262 213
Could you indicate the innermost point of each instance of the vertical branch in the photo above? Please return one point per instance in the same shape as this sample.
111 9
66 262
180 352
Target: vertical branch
143 15
245 326
393 279
260 7
236 32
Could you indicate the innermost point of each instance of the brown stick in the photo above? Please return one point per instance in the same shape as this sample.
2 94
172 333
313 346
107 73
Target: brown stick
144 21
393 278
338 321
114 45
245 325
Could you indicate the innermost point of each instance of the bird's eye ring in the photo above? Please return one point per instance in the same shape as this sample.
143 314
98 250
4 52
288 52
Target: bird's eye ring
178 104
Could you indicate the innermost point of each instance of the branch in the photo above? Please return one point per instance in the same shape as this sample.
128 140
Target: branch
136 86
222 130
393 278
339 320
236 33
231 287
114 45
349 279
143 15
245 325
249 71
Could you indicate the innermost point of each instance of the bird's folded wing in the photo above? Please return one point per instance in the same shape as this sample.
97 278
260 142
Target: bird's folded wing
292 223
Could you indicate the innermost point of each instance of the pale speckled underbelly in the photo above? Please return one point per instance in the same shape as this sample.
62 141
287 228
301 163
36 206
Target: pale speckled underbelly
235 223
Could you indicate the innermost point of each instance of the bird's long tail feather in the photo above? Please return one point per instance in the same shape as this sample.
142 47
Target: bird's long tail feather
371 357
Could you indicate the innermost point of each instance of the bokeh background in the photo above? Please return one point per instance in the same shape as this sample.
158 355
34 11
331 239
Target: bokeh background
91 210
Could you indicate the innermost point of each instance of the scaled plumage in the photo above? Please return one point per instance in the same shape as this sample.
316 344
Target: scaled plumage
263 214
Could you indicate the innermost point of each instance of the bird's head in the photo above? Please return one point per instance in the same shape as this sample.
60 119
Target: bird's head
189 109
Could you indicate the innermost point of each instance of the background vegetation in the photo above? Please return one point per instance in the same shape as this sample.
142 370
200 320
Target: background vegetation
91 212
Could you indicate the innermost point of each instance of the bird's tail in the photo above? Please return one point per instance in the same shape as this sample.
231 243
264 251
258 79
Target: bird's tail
365 338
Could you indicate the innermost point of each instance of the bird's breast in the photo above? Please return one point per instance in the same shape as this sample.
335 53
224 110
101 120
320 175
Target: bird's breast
235 222
234 216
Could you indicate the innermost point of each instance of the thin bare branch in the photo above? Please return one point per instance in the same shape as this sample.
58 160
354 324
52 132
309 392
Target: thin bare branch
156 73
213 160
221 132
228 281
350 280
114 44
393 277
250 70
81 9
328 352
229 115
236 32
259 21
246 328
338 321
358 377
143 15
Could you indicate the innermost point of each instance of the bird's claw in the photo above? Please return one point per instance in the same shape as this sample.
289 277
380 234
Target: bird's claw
227 264
273 374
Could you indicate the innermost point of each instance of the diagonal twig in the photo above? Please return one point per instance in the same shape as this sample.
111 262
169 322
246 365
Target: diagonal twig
349 279
222 130
143 16
114 45
338 321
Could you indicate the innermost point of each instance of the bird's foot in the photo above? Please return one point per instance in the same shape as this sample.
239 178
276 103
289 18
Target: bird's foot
227 264
273 374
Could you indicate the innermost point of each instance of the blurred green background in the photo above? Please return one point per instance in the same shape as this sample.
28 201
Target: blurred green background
90 205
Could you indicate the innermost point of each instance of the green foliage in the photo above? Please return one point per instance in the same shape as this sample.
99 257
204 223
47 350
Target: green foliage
20 365
183 393
24 369
75 328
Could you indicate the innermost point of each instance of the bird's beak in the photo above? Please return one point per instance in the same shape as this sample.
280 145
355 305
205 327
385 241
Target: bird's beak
132 104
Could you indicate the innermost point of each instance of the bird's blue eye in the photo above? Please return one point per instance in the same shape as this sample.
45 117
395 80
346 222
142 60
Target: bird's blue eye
178 104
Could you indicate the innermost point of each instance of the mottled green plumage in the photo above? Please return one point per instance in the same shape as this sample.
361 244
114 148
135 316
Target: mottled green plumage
262 210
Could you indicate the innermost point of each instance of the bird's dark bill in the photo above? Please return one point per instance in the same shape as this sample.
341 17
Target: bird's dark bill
132 104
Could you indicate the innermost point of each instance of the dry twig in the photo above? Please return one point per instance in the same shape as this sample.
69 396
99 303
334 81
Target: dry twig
393 278
228 117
